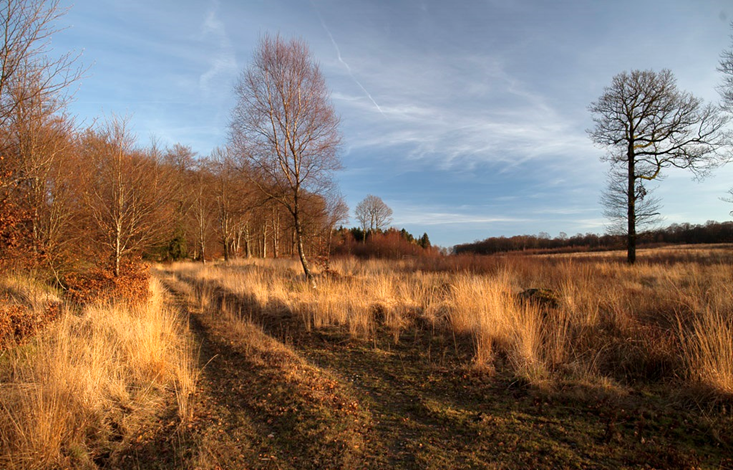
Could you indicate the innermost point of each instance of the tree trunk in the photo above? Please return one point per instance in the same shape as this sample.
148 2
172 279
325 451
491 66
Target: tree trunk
247 241
275 232
631 210
294 244
118 255
264 239
299 242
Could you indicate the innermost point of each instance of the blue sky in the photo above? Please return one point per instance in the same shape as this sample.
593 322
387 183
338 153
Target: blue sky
468 118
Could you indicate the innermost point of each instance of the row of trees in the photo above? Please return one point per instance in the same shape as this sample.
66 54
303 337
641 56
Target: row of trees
96 195
710 232
390 243
72 197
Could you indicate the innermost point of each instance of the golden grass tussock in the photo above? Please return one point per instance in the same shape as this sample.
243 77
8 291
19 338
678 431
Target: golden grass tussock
27 305
592 319
28 292
86 384
707 346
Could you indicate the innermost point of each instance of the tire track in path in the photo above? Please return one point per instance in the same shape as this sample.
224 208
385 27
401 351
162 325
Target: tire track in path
259 404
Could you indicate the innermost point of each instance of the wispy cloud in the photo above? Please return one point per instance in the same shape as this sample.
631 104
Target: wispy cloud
222 62
450 218
343 62
467 111
439 214
450 137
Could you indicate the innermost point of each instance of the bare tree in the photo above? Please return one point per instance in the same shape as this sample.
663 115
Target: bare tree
26 27
648 125
726 88
128 194
32 86
729 199
726 91
226 197
337 212
203 206
373 214
285 129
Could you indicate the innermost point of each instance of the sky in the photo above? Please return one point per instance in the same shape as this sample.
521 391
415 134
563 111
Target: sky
468 118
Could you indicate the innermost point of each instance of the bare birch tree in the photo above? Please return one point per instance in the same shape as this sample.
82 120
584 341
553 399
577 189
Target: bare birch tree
285 129
128 192
648 125
203 206
229 199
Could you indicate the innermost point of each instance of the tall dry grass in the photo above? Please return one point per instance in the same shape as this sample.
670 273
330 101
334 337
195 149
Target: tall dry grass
665 318
707 346
82 388
28 292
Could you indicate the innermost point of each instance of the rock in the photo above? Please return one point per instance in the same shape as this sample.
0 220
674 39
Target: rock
541 297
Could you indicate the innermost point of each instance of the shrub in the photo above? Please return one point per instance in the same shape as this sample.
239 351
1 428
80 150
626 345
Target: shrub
101 285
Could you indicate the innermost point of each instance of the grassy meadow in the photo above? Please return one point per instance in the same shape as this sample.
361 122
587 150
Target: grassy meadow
550 320
484 362
557 361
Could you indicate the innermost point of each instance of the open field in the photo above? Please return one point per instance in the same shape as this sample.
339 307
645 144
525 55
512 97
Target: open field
446 362
451 363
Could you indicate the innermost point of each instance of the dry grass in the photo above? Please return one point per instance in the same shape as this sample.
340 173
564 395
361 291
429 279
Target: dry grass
666 318
79 391
26 307
707 346
28 292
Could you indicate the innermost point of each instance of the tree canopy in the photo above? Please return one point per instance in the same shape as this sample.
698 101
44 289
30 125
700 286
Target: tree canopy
647 125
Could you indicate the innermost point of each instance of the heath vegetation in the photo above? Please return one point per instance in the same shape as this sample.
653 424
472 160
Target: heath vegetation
550 319
644 352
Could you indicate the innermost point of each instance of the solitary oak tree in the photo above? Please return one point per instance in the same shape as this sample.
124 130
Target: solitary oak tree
647 124
284 127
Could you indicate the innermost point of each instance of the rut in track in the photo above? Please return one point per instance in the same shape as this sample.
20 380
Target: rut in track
260 405
323 401
330 401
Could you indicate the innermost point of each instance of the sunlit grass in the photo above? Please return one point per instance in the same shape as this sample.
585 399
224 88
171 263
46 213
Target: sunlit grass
609 321
91 380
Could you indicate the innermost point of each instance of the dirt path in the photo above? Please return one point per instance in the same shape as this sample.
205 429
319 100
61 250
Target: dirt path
273 395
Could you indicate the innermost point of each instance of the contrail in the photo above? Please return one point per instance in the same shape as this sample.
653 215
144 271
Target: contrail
338 55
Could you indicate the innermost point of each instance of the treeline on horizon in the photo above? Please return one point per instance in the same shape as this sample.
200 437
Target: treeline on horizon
685 233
